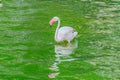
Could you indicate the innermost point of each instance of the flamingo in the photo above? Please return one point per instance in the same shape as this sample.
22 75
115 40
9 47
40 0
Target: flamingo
63 33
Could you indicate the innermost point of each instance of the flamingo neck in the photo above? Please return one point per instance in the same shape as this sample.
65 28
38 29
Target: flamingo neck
56 32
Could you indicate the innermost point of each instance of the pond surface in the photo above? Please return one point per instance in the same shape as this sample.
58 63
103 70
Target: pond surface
28 50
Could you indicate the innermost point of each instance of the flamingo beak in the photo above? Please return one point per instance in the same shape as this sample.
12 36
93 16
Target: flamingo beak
51 22
50 25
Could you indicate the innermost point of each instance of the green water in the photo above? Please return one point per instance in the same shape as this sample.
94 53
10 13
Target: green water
28 50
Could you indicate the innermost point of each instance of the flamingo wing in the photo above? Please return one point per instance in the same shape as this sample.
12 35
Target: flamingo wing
67 33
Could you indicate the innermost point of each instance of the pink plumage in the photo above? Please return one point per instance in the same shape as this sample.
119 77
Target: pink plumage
63 33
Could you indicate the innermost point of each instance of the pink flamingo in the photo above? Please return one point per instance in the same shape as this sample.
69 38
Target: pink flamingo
63 33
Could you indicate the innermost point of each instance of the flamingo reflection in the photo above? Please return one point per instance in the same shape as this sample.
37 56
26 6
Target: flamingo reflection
63 53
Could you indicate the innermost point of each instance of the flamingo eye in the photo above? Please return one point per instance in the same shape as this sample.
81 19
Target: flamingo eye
55 18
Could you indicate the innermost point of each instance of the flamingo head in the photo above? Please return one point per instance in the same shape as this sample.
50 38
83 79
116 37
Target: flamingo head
54 19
